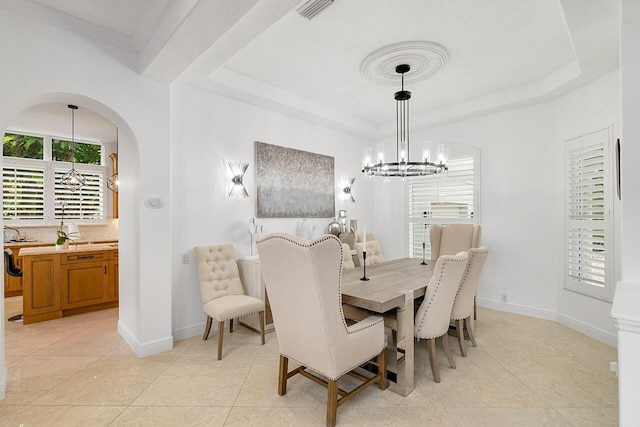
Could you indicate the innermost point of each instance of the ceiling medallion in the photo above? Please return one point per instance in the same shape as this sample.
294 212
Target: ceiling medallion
424 58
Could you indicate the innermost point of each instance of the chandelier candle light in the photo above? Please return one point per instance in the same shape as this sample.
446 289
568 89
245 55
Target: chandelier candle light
403 167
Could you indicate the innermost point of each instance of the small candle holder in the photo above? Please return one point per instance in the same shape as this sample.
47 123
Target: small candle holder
364 266
423 251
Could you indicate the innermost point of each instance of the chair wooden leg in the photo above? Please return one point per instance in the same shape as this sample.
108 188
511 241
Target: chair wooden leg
445 345
383 384
220 335
472 337
207 328
332 402
230 325
261 318
431 349
282 376
475 313
460 331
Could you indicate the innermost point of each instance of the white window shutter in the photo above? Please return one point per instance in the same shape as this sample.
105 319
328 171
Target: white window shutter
589 254
23 193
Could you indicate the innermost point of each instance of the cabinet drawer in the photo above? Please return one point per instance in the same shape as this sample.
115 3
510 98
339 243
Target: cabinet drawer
87 256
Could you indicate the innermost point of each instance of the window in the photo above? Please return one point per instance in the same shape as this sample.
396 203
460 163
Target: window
589 233
448 199
32 169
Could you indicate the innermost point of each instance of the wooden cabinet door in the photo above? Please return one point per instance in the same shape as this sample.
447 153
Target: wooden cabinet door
113 280
41 290
84 283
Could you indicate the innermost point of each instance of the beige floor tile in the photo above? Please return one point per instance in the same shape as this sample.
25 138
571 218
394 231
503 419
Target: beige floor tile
67 416
242 343
172 417
568 382
277 417
85 343
507 417
590 417
393 416
108 381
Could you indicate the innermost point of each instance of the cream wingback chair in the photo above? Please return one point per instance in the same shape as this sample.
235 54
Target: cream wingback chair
223 297
374 253
434 314
453 238
303 278
463 305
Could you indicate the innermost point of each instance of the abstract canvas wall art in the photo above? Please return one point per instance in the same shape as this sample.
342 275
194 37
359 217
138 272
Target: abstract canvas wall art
293 183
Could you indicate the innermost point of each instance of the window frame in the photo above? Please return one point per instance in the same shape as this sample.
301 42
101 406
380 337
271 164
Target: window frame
457 152
584 287
49 167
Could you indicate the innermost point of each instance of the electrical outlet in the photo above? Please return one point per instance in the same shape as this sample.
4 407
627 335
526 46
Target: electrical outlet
613 367
503 298
185 258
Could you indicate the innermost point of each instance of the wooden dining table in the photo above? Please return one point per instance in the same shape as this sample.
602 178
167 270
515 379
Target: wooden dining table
392 287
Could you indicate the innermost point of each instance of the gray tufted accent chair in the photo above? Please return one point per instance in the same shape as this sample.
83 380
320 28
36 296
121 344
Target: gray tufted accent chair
222 294
432 318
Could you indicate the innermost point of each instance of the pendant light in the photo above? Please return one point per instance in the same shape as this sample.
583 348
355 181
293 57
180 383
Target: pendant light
73 179
112 181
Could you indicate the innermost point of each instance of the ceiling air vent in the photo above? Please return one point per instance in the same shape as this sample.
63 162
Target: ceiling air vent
313 7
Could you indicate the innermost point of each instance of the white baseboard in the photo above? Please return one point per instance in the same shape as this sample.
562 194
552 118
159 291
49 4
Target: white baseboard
570 322
4 379
147 348
591 331
189 331
518 309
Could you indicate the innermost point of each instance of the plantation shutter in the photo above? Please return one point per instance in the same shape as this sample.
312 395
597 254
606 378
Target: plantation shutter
23 193
447 199
84 203
588 231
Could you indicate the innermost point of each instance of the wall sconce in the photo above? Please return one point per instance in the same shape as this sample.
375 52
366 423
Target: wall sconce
348 183
238 170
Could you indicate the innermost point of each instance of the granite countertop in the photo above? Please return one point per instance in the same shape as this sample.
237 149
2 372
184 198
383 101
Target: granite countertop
87 247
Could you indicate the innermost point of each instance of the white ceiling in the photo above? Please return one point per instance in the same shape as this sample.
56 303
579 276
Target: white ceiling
502 53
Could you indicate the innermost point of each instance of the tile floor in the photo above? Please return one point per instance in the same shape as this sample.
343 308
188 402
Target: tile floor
77 371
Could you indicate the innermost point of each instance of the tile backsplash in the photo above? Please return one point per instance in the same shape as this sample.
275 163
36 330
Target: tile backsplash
88 233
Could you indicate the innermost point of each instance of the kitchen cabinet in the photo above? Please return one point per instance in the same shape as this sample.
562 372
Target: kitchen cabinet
60 283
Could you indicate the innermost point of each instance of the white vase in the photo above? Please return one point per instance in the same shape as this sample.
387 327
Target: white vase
65 245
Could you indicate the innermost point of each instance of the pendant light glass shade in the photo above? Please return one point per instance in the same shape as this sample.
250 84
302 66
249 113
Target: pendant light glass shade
73 179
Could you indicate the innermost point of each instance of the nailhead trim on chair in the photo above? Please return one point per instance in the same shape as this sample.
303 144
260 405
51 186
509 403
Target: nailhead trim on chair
246 314
322 373
314 242
436 291
464 277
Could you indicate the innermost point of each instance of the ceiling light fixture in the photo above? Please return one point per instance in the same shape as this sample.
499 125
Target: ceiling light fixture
73 179
313 7
403 167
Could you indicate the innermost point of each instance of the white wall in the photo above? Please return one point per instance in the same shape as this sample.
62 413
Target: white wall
209 130
522 202
45 64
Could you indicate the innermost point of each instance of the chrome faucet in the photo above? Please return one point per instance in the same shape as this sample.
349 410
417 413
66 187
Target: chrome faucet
14 229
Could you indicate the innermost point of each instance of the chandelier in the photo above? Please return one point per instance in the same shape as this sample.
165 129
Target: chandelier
73 179
402 167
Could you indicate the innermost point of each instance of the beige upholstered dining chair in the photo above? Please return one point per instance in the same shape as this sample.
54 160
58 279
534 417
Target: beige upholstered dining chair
453 238
303 280
463 305
374 253
347 260
222 294
432 318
